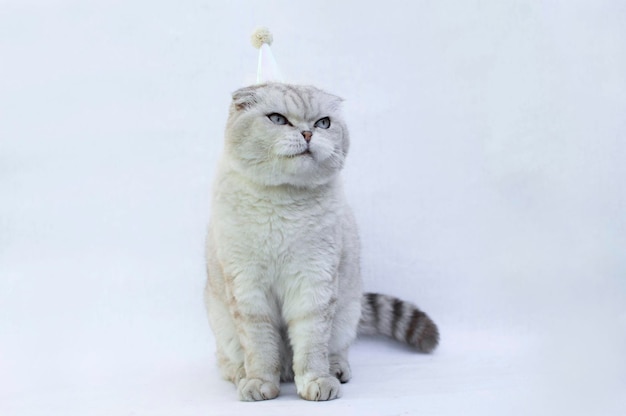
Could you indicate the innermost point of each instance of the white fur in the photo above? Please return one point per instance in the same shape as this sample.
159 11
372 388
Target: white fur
283 291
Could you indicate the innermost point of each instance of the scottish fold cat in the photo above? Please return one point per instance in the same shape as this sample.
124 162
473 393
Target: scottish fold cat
283 293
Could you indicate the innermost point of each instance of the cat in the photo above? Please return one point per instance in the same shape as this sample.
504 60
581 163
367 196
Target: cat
283 293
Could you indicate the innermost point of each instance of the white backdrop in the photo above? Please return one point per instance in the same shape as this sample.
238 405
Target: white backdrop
487 173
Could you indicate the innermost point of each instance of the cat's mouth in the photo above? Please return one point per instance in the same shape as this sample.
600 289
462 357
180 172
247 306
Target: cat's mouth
304 153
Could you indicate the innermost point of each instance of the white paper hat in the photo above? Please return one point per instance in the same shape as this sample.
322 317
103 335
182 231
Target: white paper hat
267 70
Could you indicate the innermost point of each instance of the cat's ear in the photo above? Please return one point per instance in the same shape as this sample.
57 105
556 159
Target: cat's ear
245 98
334 102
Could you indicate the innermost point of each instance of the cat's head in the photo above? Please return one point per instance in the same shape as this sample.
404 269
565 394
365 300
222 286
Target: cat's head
280 134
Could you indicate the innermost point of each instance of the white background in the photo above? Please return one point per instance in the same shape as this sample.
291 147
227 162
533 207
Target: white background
487 173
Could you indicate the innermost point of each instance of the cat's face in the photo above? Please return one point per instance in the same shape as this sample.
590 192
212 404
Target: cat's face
281 134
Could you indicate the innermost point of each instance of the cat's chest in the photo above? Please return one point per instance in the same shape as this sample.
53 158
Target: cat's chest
267 228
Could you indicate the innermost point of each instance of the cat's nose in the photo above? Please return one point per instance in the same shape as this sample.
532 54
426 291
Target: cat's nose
307 135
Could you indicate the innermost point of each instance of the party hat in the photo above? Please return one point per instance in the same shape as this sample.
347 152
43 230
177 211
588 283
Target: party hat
267 70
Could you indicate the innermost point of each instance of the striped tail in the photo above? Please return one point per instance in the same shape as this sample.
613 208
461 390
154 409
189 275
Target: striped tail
400 320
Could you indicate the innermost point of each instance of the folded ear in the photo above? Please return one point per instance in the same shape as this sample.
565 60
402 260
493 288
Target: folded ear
245 97
335 102
332 101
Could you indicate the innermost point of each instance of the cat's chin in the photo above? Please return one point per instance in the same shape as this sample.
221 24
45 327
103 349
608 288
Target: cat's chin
303 171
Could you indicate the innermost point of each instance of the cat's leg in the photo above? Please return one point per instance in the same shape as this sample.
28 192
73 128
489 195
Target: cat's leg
232 370
309 321
229 350
342 335
256 322
348 313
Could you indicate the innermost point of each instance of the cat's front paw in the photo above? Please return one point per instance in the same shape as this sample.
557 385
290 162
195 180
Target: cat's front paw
255 389
320 388
341 369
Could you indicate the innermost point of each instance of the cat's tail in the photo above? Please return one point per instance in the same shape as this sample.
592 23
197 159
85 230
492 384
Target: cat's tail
400 320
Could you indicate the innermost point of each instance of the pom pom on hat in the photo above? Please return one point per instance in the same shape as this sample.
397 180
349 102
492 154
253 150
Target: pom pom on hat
267 68
260 36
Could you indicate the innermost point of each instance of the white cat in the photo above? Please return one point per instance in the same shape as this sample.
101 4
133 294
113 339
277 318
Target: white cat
283 293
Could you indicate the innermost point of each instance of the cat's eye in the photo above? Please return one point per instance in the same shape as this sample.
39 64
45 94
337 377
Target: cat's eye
323 123
278 119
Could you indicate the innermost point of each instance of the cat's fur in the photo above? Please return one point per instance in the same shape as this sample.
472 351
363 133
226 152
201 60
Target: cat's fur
283 293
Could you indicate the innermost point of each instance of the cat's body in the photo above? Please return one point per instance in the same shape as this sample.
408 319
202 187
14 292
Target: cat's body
284 291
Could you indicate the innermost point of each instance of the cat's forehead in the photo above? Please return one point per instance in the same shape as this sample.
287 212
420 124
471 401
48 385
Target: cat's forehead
295 100
303 101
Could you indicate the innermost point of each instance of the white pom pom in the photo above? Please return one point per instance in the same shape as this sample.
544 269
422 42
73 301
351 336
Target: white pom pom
260 36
